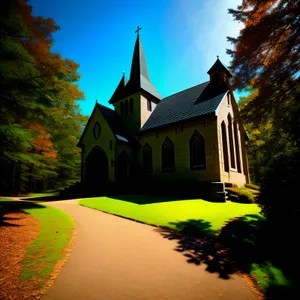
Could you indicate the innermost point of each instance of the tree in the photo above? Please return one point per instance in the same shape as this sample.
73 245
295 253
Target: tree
37 94
266 54
265 59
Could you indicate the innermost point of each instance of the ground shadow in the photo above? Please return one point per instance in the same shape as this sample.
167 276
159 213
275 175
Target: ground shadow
197 241
240 243
48 198
9 206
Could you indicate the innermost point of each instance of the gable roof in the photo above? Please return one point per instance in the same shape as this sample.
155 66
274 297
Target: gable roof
114 122
200 100
218 66
119 91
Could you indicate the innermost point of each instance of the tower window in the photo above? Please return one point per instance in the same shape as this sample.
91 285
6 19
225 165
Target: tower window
228 99
149 105
131 105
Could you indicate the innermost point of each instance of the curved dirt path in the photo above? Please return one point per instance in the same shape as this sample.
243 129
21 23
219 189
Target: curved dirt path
115 259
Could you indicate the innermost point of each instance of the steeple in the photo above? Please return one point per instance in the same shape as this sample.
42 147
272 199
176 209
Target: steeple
139 75
138 65
139 79
219 76
218 66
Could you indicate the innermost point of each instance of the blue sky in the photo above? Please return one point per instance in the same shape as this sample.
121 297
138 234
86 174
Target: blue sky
181 39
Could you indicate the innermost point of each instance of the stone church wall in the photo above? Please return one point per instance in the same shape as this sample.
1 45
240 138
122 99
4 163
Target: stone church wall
103 141
180 136
229 107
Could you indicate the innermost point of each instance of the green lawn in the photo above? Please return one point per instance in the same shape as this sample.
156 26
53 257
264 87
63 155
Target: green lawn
55 233
144 209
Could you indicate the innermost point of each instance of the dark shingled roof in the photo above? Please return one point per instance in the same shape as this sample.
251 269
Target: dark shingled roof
197 101
218 66
114 122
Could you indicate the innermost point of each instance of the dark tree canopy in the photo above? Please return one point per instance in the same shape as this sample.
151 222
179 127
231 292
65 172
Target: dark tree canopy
266 53
40 120
265 60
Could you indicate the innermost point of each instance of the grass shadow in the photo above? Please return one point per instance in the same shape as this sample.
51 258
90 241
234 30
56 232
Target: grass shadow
9 206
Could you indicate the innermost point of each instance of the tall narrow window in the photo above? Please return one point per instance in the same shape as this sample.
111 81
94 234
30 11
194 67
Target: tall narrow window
126 107
131 105
231 147
197 151
96 130
228 98
237 147
168 156
147 158
149 105
122 108
225 147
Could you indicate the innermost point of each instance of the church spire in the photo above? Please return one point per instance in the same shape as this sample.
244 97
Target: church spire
138 65
218 66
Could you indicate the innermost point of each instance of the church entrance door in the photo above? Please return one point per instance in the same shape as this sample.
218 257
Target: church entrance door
123 167
96 167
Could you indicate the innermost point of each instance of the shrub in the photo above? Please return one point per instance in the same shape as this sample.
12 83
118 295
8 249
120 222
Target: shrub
241 196
252 186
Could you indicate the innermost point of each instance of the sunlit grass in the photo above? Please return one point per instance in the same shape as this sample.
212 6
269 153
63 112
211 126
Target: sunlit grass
164 213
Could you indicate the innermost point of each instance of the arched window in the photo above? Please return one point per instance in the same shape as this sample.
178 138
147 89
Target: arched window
126 107
237 147
197 151
168 156
147 158
225 147
131 105
96 130
231 147
122 109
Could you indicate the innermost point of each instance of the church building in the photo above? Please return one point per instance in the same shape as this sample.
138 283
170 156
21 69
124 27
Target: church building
194 135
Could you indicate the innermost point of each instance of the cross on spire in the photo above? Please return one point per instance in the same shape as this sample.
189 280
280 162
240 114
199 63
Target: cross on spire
138 29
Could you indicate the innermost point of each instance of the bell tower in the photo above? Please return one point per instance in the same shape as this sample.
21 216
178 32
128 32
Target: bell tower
219 76
136 98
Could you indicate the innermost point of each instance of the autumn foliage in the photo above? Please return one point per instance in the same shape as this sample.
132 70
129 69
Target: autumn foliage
38 97
266 53
265 61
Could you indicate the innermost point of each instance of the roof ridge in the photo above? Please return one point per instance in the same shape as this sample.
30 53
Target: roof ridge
185 90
